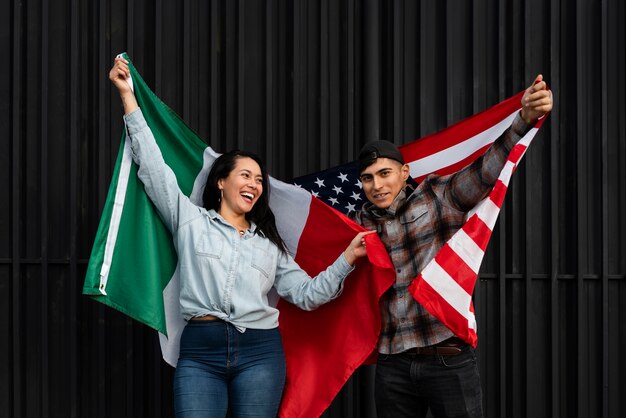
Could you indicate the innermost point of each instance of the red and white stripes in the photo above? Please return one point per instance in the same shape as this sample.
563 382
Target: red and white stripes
446 284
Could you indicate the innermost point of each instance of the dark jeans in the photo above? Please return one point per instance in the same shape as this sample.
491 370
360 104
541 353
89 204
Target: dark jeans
408 385
220 368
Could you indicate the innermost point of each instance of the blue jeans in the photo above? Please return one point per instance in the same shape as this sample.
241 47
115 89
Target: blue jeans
408 385
220 368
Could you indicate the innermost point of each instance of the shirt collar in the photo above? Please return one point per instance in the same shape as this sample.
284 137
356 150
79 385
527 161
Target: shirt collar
214 215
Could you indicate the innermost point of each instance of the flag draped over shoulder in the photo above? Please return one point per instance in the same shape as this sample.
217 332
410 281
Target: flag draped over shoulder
446 284
133 265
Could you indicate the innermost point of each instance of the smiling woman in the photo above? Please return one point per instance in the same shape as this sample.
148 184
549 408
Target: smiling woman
235 189
230 256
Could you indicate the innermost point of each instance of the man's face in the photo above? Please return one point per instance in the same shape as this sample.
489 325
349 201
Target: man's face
383 180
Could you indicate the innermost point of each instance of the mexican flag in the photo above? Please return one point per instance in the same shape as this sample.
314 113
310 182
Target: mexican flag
133 265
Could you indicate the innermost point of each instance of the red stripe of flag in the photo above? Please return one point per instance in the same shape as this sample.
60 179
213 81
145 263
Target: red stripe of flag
454 265
478 231
462 130
498 193
516 153
433 302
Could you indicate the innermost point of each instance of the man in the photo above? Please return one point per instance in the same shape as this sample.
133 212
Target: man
422 365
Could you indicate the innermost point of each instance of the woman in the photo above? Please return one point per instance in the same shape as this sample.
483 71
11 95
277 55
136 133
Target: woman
230 257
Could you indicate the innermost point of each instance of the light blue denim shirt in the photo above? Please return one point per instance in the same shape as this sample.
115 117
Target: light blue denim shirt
223 273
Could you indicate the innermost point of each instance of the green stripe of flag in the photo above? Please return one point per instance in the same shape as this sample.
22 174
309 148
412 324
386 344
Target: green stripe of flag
143 259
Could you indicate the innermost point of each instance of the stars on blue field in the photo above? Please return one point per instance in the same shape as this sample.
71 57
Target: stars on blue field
338 187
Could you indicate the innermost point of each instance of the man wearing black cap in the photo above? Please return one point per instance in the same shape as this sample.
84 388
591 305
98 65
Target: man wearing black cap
422 365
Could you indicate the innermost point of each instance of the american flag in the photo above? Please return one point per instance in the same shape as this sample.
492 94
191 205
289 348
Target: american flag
339 187
446 284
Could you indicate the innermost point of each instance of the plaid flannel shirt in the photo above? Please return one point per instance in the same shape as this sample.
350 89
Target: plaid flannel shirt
415 227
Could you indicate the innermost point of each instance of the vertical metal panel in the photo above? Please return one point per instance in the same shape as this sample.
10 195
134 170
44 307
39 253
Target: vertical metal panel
500 232
298 84
306 83
398 70
101 20
324 82
241 77
555 202
15 355
44 193
7 186
371 71
536 291
353 77
583 191
614 127
270 58
605 211
74 135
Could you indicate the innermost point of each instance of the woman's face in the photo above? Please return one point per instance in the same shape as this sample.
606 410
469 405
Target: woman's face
242 188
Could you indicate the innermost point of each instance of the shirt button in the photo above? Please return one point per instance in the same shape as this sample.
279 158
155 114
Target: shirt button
398 270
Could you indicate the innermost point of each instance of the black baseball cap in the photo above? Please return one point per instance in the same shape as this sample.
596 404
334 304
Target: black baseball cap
378 149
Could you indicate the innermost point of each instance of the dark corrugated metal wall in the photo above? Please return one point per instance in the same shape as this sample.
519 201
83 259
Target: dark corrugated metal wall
305 84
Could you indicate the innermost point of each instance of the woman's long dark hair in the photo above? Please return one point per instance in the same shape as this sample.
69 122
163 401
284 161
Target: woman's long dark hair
261 213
